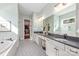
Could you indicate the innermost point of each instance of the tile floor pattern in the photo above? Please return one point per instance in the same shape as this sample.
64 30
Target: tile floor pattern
29 48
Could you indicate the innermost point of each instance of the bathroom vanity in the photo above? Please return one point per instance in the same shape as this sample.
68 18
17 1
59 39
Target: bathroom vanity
57 46
64 21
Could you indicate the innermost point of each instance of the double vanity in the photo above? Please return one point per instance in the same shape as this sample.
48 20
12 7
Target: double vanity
57 45
60 22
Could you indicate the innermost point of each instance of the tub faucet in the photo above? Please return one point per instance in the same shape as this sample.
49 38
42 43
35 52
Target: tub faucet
10 39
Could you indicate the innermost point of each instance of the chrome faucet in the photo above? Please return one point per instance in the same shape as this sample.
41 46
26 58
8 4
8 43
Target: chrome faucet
65 36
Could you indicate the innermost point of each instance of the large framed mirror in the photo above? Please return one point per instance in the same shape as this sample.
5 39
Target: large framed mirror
63 20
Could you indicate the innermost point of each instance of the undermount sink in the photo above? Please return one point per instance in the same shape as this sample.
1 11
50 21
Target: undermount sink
64 40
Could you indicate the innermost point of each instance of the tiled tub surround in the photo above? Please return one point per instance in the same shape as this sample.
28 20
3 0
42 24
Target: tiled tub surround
70 45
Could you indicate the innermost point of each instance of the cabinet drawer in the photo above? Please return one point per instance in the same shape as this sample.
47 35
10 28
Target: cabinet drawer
71 50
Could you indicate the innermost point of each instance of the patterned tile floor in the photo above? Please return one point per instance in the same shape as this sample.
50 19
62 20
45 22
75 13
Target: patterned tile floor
29 48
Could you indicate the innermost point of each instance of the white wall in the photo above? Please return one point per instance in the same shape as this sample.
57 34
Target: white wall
9 12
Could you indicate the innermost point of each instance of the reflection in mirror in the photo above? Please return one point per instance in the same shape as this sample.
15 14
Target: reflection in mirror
48 24
64 20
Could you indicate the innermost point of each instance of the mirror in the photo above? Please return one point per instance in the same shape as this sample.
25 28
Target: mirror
48 24
4 25
63 20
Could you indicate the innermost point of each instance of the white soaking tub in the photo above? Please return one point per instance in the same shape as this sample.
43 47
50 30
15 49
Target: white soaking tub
4 45
8 48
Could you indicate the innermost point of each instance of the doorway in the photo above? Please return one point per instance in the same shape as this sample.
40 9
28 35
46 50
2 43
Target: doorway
26 29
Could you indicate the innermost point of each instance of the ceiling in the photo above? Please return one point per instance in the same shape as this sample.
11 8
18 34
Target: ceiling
4 5
29 8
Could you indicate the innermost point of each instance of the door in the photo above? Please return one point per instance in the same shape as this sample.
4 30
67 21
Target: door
26 29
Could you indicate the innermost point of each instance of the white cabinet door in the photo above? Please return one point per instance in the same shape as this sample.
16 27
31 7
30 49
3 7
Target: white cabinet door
54 48
72 51
58 44
50 49
35 38
63 53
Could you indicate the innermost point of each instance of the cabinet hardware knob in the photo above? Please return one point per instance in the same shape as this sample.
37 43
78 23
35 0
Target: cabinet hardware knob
55 48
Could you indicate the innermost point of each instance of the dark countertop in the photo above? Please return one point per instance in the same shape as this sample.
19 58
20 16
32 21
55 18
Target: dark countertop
70 42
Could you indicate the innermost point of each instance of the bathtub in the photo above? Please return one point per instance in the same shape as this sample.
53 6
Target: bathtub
8 48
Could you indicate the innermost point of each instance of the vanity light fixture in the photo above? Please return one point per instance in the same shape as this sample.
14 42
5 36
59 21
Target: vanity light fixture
41 18
61 6
58 7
